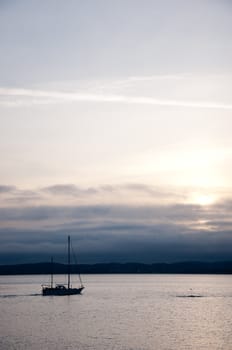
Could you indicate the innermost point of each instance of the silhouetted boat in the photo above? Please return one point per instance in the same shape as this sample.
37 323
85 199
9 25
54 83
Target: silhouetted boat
62 289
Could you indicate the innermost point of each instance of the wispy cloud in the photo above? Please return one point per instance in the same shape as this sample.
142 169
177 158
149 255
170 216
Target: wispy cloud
26 96
70 194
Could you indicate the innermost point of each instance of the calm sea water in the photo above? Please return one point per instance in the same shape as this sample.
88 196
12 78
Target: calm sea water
123 312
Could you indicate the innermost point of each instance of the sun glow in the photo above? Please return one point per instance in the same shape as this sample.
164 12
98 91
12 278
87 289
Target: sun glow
202 199
196 168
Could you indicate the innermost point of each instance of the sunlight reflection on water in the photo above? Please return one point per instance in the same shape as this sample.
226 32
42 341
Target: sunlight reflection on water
119 312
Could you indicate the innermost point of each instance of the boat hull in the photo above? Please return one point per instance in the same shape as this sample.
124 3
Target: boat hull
58 291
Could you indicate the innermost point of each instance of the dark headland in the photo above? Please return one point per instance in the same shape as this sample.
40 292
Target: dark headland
224 267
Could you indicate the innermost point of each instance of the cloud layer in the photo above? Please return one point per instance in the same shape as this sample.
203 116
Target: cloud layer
114 232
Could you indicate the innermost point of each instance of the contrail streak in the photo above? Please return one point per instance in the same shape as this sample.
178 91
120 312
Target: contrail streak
55 96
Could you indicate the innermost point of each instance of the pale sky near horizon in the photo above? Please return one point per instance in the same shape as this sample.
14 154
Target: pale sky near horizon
116 103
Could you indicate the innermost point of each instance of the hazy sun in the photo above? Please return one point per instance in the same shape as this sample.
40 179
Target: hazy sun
202 199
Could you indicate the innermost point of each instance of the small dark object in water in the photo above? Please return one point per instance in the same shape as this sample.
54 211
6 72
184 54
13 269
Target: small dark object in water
190 296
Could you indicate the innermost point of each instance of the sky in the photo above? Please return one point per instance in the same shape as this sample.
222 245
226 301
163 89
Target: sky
116 121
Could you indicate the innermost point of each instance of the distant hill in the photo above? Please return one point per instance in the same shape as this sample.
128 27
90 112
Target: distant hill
224 267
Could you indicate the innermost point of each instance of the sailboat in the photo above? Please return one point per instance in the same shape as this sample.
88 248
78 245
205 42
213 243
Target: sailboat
62 289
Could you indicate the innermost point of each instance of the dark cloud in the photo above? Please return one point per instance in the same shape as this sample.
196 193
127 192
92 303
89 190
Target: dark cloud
7 189
24 197
151 190
104 233
70 194
68 190
73 190
106 212
12 194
